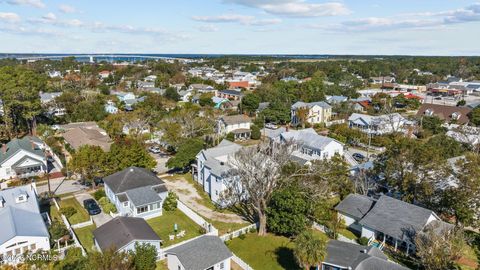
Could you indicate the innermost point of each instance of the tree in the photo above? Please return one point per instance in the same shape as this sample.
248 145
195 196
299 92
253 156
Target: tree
89 161
186 154
230 136
206 100
256 174
73 260
162 80
172 94
144 257
309 250
170 203
255 132
110 259
335 223
250 103
433 124
438 247
302 115
288 212
474 116
126 153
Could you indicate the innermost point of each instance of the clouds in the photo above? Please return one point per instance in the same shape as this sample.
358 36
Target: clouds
32 3
295 8
67 9
236 18
9 17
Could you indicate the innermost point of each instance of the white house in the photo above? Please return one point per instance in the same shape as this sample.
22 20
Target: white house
378 125
22 226
212 167
239 125
205 252
318 112
110 107
22 158
48 101
386 220
123 233
310 145
136 192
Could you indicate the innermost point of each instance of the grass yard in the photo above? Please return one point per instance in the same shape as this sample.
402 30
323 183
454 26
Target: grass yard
348 234
267 252
85 236
80 216
224 228
162 265
164 225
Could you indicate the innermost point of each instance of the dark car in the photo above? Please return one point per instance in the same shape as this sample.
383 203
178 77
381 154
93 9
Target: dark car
92 207
358 157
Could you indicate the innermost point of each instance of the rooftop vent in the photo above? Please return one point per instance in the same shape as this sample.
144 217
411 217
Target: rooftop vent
2 202
21 197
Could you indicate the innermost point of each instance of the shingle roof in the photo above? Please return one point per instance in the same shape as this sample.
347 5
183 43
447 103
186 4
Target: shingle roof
142 196
216 158
358 257
20 219
120 231
396 218
131 178
445 112
300 104
87 135
235 119
201 253
355 205
28 143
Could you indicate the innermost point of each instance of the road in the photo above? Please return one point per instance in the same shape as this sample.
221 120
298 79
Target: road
60 186
99 219
161 162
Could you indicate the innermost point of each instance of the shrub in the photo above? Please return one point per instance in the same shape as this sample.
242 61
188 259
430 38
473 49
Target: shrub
363 241
68 211
57 230
255 134
230 137
99 194
107 206
170 203
242 236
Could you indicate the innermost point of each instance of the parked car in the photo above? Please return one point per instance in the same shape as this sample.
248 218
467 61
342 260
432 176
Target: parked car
92 207
50 159
271 126
154 149
438 98
358 157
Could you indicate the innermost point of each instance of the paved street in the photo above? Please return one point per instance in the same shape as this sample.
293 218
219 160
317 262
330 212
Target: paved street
99 219
161 162
60 186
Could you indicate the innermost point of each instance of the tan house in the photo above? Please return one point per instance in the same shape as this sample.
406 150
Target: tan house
316 112
86 133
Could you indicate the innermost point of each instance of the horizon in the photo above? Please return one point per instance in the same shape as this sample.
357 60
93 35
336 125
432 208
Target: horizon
242 27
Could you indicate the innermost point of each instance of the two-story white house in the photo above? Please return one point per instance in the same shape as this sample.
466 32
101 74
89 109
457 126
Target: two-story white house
136 192
314 112
239 125
212 168
22 227
22 158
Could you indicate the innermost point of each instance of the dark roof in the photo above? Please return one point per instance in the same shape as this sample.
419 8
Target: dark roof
131 178
445 112
142 196
396 218
358 257
201 253
232 92
355 205
121 231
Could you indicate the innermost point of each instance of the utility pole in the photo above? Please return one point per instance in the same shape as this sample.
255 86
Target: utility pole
48 176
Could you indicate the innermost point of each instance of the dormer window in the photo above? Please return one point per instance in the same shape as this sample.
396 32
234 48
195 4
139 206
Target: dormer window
21 198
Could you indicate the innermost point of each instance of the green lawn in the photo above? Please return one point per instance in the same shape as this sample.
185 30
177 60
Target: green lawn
80 216
85 236
224 228
162 265
348 234
267 252
164 225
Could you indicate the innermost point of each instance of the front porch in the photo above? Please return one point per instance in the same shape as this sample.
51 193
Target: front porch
381 241
241 134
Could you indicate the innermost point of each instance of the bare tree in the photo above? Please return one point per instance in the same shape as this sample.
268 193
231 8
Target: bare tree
256 173
362 182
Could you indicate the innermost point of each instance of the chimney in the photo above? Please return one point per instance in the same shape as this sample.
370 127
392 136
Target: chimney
222 163
4 148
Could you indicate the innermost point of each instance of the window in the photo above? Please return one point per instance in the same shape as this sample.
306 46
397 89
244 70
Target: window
142 209
17 251
222 265
125 204
33 247
158 205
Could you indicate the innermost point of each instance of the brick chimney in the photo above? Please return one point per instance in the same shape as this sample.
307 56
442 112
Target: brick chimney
4 148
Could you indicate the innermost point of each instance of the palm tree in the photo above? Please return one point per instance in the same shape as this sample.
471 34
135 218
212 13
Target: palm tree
309 250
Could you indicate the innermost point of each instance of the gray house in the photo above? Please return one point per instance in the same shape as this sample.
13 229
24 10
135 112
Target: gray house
122 233
206 252
136 192
348 256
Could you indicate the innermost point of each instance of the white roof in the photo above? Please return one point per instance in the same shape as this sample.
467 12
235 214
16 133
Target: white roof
308 137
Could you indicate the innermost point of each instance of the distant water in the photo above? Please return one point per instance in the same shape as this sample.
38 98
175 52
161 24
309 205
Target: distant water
142 57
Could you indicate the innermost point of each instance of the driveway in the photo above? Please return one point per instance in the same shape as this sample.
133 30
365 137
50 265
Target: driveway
61 186
99 219
188 194
161 162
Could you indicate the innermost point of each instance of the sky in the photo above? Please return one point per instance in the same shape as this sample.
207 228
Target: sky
366 27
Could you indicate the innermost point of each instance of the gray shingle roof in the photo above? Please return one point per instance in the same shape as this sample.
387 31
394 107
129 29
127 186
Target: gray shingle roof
28 143
201 253
131 178
142 195
358 257
300 104
215 155
355 205
20 219
396 218
121 231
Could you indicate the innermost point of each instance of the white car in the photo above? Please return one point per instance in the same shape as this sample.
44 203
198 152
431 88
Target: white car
154 149
271 126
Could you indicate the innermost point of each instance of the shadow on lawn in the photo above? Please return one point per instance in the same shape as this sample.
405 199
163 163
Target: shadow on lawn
286 259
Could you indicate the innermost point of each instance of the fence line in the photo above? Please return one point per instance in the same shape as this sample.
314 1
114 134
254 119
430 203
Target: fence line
241 263
326 230
197 218
238 232
83 224
70 229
